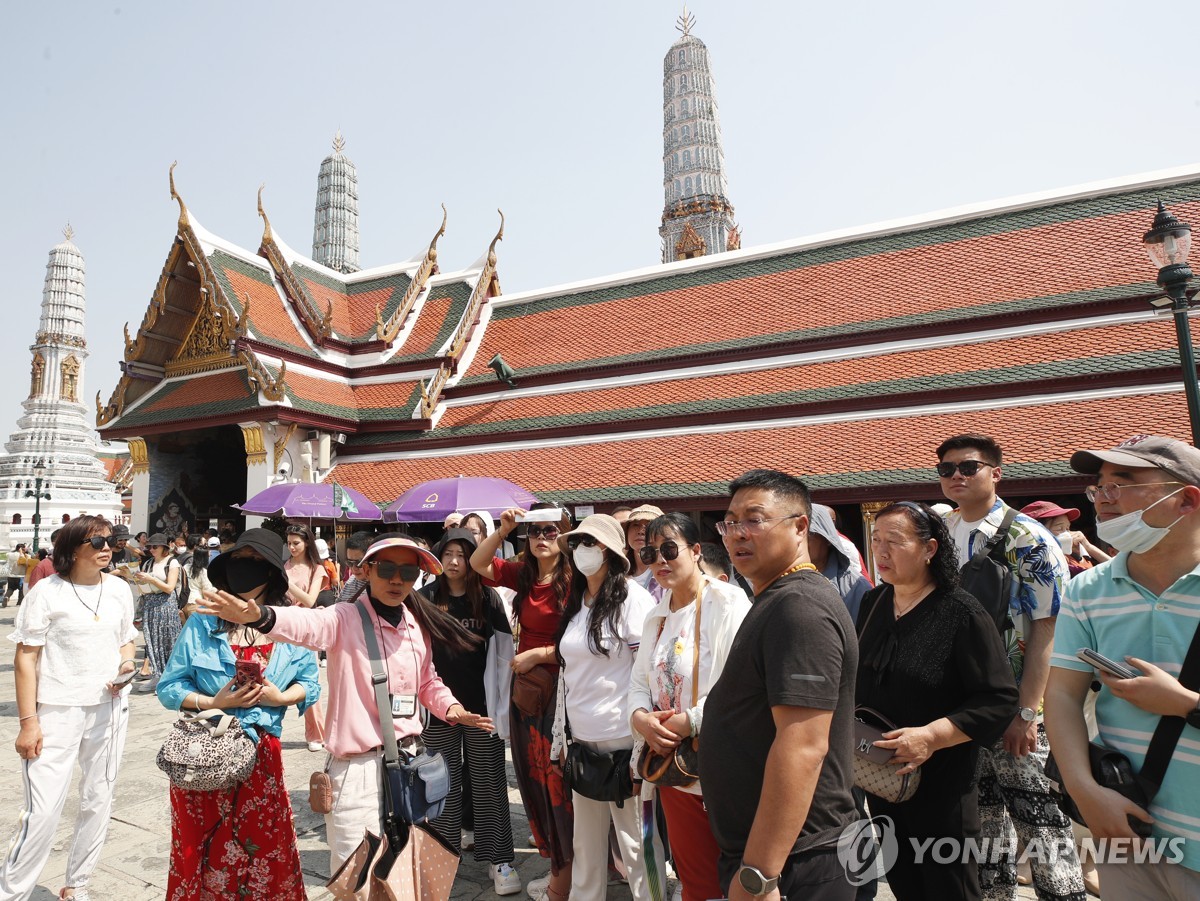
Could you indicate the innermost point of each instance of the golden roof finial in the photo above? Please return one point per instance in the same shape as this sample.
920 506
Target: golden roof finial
266 236
441 231
339 143
685 22
499 237
68 232
183 213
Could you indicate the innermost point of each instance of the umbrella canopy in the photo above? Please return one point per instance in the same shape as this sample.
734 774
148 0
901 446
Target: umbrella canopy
306 501
434 501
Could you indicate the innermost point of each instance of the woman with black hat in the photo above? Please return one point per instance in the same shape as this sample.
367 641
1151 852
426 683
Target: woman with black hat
480 678
160 607
240 842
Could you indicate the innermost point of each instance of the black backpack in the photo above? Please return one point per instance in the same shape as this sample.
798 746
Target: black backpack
988 577
182 588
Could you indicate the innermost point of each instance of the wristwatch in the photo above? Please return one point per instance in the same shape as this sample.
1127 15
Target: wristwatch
1028 714
754 882
1193 718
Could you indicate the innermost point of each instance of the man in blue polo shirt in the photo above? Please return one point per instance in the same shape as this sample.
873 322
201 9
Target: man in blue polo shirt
1141 608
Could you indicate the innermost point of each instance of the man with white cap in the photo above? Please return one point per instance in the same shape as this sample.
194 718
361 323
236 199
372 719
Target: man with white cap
1140 609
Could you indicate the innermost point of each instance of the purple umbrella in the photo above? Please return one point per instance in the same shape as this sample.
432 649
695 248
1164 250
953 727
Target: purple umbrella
302 500
434 501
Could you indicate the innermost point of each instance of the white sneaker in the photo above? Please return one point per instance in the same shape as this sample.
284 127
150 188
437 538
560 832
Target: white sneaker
538 889
467 842
504 879
144 688
315 746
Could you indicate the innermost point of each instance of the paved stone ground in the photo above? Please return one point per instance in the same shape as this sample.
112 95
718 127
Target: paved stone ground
134 863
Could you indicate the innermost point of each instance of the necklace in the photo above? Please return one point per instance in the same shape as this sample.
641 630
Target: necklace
96 612
787 572
899 613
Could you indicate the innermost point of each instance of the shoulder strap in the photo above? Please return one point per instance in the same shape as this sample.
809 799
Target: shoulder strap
985 550
391 753
1170 728
696 647
886 590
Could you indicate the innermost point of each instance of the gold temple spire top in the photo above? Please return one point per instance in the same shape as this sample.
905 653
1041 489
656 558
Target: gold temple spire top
686 22
68 232
339 143
266 236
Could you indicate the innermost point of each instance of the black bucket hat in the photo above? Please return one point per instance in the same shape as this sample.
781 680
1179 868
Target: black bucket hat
266 542
462 535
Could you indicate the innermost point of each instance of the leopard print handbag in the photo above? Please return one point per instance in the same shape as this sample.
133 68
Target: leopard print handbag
207 751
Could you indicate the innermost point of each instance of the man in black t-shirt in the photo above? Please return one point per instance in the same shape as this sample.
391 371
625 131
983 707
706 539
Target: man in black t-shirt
777 766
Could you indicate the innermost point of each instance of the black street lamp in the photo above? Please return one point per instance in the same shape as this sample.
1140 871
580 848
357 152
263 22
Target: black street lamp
1168 243
39 470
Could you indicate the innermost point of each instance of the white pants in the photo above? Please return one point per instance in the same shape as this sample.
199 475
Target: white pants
95 737
589 872
356 796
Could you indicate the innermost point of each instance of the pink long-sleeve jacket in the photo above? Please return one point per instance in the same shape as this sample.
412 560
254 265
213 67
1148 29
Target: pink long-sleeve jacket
352 722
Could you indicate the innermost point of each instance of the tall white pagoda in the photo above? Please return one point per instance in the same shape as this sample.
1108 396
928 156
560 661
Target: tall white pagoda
335 226
697 217
54 433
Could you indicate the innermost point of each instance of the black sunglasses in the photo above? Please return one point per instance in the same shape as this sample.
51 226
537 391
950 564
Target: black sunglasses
966 467
550 532
668 549
386 569
99 541
585 540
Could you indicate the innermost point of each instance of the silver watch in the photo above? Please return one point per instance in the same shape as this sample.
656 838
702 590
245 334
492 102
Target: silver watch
1028 714
754 882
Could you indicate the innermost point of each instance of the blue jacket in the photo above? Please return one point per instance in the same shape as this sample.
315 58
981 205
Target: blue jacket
202 661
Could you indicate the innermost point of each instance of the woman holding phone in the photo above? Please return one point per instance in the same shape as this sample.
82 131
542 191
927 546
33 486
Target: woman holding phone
241 840
306 580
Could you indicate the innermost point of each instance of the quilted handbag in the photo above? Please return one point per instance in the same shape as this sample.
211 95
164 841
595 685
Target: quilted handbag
207 751
424 870
873 771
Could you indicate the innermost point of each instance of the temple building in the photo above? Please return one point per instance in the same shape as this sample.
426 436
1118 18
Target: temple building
54 433
697 216
843 357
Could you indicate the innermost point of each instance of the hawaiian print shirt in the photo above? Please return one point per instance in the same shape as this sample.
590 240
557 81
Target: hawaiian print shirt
1039 570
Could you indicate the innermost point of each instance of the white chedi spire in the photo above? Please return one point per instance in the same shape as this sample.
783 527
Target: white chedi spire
54 429
335 228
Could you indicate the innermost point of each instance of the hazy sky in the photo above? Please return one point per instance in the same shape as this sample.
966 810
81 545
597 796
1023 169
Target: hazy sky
834 114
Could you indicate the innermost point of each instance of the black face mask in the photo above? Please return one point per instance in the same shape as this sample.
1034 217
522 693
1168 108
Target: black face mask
246 573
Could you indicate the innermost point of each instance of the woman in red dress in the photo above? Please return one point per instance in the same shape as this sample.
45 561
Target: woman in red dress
239 843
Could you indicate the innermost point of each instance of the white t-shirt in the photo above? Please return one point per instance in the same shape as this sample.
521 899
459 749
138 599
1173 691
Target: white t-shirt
80 629
962 537
597 687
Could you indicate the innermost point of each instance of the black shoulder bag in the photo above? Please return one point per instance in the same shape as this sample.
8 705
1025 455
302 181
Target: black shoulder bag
1112 769
987 576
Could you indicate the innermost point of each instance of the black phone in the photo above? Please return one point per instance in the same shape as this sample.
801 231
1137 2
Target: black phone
124 679
1105 665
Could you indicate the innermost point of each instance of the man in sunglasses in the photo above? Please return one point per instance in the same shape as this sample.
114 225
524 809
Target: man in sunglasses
1013 791
356 577
1138 609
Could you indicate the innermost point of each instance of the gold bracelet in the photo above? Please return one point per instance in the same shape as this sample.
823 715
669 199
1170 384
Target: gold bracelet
32 716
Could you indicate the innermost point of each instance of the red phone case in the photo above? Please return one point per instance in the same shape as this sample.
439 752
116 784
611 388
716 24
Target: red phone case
248 671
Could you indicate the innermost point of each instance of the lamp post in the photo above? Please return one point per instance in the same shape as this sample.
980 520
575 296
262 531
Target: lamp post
1167 244
39 470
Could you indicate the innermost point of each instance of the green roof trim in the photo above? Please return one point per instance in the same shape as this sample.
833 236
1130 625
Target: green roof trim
397 282
355 414
459 294
220 262
144 416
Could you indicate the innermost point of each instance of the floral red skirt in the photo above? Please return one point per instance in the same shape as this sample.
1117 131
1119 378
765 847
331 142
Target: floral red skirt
237 844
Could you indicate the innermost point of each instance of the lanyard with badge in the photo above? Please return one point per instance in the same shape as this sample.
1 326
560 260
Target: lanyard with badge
403 705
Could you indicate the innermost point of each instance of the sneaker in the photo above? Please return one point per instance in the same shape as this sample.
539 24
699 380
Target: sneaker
539 889
323 663
468 840
81 894
532 841
145 688
315 746
504 879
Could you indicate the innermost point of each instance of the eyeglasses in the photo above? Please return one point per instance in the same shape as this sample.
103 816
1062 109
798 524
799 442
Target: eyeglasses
585 540
355 563
1111 491
550 532
967 467
749 526
386 569
668 549
99 541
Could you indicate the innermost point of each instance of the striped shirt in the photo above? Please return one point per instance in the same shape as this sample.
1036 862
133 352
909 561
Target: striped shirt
1107 611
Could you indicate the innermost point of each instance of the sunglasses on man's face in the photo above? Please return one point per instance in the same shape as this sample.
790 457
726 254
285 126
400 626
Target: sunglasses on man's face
99 541
385 569
550 532
967 467
668 549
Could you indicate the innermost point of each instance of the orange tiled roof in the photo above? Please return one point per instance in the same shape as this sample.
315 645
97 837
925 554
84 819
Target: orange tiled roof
833 456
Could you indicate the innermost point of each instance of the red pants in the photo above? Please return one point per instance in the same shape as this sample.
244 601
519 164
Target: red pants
693 848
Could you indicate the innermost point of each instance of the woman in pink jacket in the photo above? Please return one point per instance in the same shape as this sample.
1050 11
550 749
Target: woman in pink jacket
405 626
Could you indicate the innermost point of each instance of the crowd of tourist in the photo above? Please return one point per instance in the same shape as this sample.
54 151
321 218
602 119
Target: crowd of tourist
725 714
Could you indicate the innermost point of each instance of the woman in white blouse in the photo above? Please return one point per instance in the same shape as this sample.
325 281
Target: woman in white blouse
75 638
666 701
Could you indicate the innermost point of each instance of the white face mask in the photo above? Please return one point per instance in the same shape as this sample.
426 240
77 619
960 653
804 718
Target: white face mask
1066 542
181 550
1131 533
588 560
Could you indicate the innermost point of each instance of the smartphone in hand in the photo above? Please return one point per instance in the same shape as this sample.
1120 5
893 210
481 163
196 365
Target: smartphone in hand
248 672
1105 665
123 679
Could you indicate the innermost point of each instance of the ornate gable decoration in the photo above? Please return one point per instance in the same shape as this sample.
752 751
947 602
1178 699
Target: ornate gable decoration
690 244
273 389
318 324
387 331
208 345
